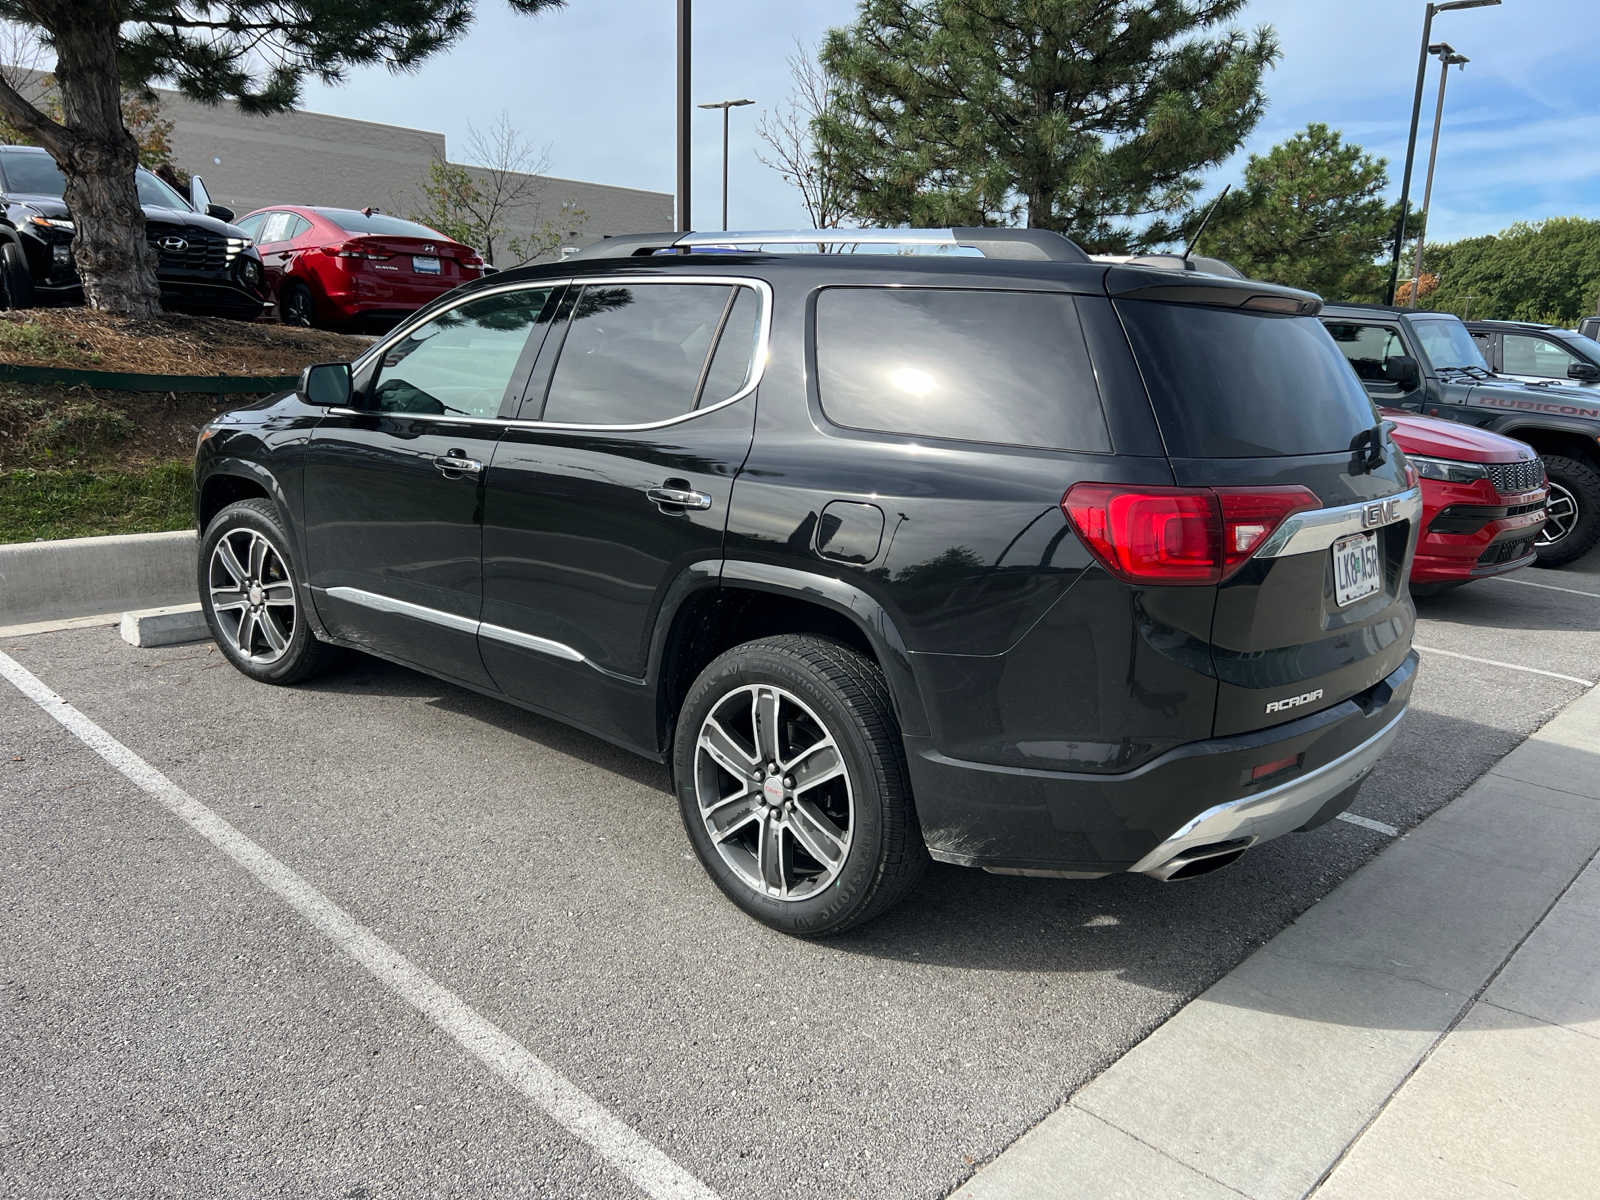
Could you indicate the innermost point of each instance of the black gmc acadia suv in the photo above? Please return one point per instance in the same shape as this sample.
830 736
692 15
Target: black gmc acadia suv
997 555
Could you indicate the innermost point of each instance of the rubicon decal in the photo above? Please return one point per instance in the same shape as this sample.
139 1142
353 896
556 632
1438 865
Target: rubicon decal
1285 705
1485 399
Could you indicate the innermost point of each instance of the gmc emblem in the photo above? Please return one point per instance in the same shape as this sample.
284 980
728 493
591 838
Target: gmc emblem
1380 512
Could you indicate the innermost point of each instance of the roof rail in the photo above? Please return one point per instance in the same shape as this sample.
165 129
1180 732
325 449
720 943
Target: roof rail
1037 245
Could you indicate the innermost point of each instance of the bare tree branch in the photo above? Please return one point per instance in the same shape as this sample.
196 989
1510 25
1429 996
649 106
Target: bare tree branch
792 150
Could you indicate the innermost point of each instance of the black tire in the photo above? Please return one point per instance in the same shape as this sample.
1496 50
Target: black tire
16 280
301 655
846 695
297 306
1578 481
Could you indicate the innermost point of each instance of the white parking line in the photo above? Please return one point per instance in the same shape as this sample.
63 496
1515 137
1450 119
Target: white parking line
1547 587
1495 662
1369 823
568 1105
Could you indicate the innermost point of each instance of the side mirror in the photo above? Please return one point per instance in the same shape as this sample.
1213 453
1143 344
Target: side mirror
1587 372
1403 371
199 198
326 385
220 211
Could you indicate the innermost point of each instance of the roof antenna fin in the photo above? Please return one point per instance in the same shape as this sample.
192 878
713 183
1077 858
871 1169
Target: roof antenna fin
1204 221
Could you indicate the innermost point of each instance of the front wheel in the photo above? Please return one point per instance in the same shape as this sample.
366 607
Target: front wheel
16 280
1572 526
792 784
250 596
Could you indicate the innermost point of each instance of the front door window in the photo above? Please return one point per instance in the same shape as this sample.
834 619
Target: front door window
460 363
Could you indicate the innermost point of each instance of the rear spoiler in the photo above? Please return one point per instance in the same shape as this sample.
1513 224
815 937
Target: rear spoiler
1133 282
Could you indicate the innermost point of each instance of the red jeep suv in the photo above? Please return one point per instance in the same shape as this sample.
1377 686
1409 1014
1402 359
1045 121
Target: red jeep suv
1483 500
345 266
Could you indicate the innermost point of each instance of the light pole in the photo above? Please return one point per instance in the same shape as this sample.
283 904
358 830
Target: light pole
1447 58
1416 115
725 105
683 113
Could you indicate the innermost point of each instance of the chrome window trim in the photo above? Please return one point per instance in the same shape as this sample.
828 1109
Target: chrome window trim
757 370
1319 529
421 612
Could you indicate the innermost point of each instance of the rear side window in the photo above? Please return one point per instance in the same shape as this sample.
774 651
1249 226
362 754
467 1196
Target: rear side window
1232 384
635 353
1368 348
979 366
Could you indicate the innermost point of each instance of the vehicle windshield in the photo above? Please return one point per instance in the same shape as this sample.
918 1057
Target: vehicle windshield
37 174
1447 343
156 193
353 221
32 172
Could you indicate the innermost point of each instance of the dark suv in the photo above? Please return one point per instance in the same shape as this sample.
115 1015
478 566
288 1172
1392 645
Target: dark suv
203 264
1021 561
1429 363
1533 353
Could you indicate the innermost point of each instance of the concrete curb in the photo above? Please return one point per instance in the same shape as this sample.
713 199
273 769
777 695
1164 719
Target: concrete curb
1261 1086
47 581
164 626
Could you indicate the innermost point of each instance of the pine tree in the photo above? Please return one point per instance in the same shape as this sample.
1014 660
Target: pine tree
1090 117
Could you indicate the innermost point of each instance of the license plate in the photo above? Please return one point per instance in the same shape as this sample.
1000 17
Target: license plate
1356 573
424 264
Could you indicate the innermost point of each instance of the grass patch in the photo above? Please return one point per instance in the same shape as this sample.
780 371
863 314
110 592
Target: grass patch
32 341
47 504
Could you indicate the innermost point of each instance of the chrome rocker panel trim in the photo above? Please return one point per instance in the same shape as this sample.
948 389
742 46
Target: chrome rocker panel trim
1248 820
419 612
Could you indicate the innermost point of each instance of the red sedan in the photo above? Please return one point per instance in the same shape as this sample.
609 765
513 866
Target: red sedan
1483 500
343 266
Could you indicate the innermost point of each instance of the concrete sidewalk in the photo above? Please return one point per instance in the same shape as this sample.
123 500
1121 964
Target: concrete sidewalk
1430 1029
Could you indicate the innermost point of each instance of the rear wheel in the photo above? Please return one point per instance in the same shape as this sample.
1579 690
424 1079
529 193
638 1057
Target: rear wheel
249 593
296 305
1573 524
792 784
16 281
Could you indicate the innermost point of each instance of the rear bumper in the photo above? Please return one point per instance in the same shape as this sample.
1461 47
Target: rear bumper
1229 828
1197 802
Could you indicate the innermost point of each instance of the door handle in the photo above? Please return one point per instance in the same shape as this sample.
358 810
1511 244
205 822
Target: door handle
456 464
668 495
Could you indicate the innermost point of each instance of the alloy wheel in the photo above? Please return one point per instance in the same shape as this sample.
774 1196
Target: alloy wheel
252 595
1561 515
297 308
774 792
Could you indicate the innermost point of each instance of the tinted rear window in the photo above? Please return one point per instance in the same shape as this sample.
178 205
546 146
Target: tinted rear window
351 221
1228 384
979 366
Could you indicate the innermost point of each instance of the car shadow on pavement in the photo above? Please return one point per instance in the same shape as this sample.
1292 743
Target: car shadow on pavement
1175 938
361 674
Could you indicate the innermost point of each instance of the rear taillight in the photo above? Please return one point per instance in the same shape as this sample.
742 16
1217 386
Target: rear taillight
353 250
1178 535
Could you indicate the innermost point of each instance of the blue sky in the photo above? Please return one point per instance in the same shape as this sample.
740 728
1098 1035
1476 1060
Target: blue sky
1520 140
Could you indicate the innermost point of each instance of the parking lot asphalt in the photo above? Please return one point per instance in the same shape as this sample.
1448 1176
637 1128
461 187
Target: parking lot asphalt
170 1026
